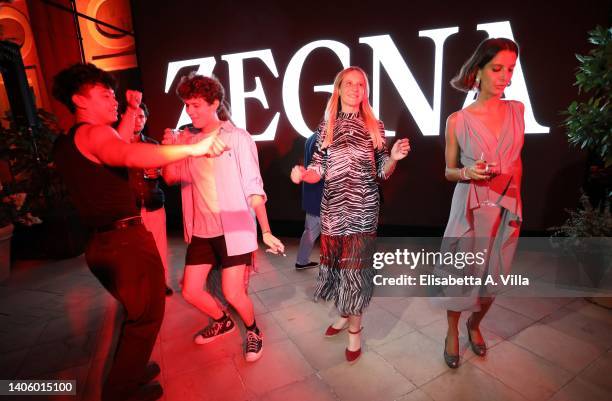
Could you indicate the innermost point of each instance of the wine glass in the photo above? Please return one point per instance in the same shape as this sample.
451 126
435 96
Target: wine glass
482 164
151 173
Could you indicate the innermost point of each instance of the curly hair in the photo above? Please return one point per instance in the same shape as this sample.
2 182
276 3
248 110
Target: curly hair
77 78
145 109
486 50
208 88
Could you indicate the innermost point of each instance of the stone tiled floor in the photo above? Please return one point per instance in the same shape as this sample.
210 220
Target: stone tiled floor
57 322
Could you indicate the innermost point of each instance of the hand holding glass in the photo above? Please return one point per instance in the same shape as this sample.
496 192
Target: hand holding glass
481 163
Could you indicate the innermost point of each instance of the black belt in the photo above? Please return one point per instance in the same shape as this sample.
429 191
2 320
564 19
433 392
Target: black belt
120 224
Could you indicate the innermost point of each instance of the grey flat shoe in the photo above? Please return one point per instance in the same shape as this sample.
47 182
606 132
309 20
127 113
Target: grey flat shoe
479 349
451 360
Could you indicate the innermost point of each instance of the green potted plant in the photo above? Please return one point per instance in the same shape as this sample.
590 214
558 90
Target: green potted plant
33 192
584 241
12 211
588 124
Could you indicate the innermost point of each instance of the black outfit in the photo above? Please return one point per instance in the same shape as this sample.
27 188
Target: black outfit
147 190
122 256
213 251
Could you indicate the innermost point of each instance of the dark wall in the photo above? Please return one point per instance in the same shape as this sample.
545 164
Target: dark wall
57 46
417 195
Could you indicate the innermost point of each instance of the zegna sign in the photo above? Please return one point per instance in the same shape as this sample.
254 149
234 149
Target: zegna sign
385 55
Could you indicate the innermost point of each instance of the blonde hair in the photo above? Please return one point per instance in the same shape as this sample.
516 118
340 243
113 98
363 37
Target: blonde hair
367 114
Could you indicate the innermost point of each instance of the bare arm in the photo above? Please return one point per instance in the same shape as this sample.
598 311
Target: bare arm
128 119
299 174
451 154
126 125
400 150
451 151
382 159
103 144
252 185
311 177
317 163
519 171
171 173
389 167
257 202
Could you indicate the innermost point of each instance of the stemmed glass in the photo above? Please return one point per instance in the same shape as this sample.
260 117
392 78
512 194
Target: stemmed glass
151 173
482 164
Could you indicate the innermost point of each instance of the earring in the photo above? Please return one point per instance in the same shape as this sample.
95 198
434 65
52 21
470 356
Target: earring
476 86
509 83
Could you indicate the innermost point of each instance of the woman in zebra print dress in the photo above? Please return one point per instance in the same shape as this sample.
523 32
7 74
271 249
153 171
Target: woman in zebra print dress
351 155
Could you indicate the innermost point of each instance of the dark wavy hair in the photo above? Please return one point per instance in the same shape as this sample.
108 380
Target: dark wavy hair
486 50
145 109
77 78
207 88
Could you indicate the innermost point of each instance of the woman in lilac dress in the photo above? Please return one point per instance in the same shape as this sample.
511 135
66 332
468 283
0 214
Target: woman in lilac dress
483 155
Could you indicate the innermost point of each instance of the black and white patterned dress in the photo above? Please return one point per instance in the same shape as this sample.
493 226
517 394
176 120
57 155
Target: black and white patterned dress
350 167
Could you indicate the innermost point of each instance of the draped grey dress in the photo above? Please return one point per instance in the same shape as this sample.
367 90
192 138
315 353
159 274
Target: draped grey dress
469 218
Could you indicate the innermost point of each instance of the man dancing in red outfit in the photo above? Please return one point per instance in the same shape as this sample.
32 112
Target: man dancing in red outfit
92 160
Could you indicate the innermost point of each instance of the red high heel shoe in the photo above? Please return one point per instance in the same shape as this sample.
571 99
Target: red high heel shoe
332 331
353 356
